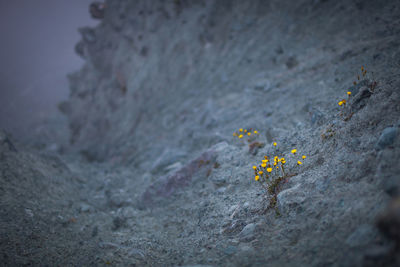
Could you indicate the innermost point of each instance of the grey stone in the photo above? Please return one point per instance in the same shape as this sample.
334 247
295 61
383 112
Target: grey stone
247 232
362 236
356 88
387 137
84 207
360 100
391 184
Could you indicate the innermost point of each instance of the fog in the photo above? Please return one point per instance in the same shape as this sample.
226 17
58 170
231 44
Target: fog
37 52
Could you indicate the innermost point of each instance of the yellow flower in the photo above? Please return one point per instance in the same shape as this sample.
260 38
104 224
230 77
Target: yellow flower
283 161
264 161
294 151
257 178
249 133
348 93
265 157
260 172
303 157
255 132
254 167
299 162
263 165
269 169
274 144
344 101
275 163
245 130
241 130
275 158
340 103
241 136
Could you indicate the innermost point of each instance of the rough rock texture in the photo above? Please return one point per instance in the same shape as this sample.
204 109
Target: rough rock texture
160 181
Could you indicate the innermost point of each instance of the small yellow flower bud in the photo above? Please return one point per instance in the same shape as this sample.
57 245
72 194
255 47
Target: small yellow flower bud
349 93
245 131
274 144
299 162
260 172
257 178
294 151
240 136
269 169
263 165
249 133
241 130
264 161
303 157
254 168
255 132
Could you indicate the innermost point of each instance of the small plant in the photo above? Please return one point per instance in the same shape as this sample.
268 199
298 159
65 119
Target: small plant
251 137
272 171
363 79
246 133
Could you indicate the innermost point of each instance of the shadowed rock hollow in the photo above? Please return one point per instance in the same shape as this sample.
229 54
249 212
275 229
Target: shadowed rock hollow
153 175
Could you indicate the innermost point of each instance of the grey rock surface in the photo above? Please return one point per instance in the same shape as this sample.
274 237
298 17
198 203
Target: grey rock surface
153 175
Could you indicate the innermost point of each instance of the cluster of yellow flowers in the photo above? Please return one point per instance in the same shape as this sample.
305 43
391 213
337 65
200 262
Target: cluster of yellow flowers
245 132
271 172
273 168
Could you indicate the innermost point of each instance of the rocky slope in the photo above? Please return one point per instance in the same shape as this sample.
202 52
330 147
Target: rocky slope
154 176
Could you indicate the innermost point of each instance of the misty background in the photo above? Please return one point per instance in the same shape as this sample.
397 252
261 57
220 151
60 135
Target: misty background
37 53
